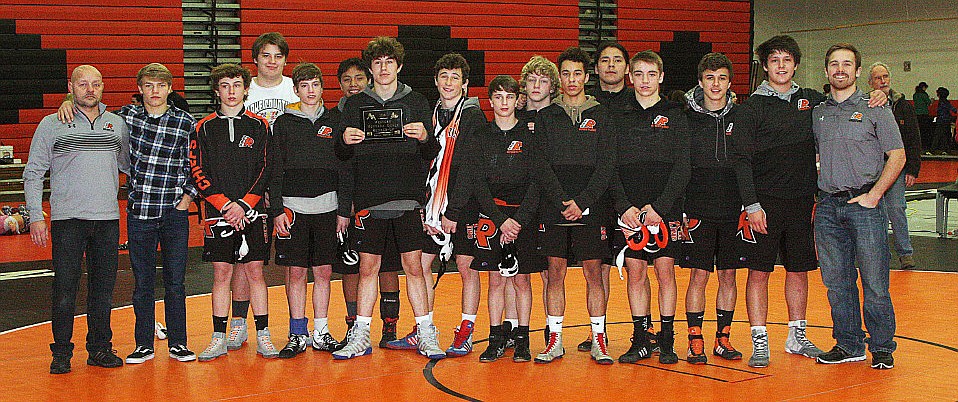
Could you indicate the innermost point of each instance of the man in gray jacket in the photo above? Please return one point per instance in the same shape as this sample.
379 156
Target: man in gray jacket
853 142
83 158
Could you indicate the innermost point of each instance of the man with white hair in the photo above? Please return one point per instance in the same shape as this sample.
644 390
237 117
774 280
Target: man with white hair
879 78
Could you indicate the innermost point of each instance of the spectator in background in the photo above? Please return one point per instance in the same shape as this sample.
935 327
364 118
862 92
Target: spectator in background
880 79
943 132
926 125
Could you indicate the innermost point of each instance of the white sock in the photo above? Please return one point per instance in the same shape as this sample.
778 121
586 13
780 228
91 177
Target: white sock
322 324
598 324
364 320
796 324
469 317
513 321
758 329
555 323
430 317
424 320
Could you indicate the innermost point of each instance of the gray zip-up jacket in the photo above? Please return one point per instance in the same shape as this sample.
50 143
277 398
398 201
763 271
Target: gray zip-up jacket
83 158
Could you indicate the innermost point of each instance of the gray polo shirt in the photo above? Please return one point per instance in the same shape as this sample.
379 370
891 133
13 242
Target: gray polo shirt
83 158
851 140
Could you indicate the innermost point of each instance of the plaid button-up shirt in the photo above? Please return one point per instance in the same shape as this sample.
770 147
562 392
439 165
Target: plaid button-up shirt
159 160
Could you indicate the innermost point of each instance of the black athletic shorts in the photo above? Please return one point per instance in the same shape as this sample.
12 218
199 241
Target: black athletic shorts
666 243
463 241
391 260
311 242
372 235
488 249
713 245
790 234
221 243
585 242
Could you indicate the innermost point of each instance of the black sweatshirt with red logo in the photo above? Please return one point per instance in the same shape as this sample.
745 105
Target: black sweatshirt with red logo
773 147
575 162
651 157
712 192
303 160
228 161
388 171
500 168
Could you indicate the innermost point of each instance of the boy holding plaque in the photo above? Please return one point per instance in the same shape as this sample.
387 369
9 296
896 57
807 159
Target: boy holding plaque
385 136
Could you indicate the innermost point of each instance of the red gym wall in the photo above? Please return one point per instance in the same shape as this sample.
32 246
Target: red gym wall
48 38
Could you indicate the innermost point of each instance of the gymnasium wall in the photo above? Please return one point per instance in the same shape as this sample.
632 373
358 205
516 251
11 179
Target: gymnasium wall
116 36
51 37
891 31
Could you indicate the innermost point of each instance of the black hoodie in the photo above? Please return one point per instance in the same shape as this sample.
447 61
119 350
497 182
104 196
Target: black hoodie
575 162
773 147
712 192
651 157
303 160
388 171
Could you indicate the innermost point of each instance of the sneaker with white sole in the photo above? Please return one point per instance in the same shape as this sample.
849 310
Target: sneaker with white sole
408 342
798 344
600 349
838 355
216 349
462 340
324 342
140 355
264 344
357 343
553 350
182 353
297 344
760 353
238 334
429 342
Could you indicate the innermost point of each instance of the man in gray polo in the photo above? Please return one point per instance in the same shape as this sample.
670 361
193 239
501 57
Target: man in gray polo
83 158
861 155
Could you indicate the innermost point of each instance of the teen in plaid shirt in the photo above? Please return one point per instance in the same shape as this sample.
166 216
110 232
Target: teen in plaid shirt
158 209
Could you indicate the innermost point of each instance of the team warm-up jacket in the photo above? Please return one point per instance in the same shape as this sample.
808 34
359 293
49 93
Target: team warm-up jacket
712 192
910 136
773 147
228 161
303 162
387 171
575 162
458 191
500 167
613 99
651 157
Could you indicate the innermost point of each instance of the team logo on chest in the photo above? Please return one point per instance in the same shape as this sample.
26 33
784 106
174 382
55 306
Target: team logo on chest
587 125
857 116
660 122
108 127
514 148
325 132
246 142
728 130
804 104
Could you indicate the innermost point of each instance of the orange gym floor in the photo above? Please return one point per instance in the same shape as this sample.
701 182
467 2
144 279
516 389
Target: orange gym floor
926 360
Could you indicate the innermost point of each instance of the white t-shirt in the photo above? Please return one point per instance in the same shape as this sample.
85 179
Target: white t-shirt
271 102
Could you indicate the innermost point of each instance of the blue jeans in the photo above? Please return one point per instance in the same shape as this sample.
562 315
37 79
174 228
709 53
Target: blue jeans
72 240
845 233
894 203
172 233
